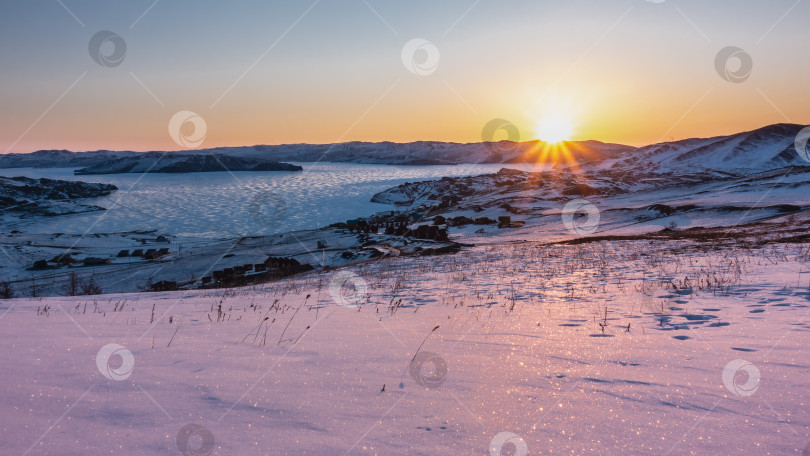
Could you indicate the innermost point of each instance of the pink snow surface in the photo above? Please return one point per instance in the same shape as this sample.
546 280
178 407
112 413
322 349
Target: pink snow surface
499 350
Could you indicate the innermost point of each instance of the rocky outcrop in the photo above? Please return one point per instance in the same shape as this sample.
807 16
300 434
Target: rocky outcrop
49 197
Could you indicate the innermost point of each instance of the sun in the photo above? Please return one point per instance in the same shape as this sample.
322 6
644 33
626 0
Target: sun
555 128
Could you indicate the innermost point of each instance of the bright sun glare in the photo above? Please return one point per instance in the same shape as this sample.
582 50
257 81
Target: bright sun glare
554 129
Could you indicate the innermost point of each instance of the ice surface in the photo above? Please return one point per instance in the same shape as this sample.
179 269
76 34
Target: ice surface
221 204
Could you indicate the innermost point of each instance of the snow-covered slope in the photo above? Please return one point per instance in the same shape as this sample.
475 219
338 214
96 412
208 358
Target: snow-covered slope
617 203
615 348
767 148
763 149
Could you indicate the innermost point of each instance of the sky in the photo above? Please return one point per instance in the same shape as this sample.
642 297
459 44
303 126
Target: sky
279 72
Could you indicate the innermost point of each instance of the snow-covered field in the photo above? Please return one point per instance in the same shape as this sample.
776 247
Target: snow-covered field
622 347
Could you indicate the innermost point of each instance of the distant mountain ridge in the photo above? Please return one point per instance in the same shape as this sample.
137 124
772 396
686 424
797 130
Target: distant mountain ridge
383 153
766 148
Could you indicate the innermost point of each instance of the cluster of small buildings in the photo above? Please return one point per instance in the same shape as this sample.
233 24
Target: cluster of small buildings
66 259
462 220
149 254
428 232
504 221
271 268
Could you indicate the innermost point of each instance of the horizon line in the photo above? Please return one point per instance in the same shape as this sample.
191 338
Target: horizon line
578 141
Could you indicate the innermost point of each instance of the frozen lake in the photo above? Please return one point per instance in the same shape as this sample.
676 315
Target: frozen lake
236 204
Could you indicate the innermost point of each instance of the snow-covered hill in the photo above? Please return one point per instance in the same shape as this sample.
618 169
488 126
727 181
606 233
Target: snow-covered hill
61 158
767 148
763 149
386 153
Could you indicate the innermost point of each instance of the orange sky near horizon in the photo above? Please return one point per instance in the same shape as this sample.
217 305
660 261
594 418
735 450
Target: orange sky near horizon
633 72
